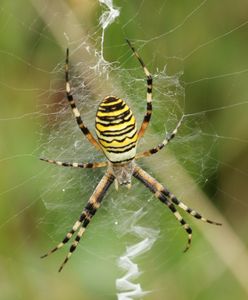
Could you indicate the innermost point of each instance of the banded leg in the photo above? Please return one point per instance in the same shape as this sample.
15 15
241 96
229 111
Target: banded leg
76 164
151 183
167 139
183 206
67 236
88 212
148 114
74 108
73 247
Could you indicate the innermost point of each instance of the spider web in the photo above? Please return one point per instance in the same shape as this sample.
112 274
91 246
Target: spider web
131 235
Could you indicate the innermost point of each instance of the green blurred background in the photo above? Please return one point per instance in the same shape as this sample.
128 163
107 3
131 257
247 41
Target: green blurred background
205 39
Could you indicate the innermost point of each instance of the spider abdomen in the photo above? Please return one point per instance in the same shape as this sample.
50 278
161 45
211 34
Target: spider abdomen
116 129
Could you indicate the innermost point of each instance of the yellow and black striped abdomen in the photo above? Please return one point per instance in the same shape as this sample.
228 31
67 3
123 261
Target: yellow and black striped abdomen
116 129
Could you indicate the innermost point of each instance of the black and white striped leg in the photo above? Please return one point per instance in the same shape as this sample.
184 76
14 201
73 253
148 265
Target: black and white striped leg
84 219
74 108
67 236
151 183
73 247
167 139
75 242
76 164
90 206
148 114
183 206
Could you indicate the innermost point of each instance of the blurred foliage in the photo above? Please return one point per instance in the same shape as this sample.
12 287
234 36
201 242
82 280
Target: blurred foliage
212 47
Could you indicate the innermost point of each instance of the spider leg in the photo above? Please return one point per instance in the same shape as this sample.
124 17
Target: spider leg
73 246
68 235
148 114
74 108
76 164
85 217
169 199
167 139
152 183
183 206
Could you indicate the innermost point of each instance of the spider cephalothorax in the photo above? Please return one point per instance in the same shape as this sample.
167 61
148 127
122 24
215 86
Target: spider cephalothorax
117 138
123 173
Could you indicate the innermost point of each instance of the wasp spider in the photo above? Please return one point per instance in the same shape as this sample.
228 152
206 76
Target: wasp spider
117 138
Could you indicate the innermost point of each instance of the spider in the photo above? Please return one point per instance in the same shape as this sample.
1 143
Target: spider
117 138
